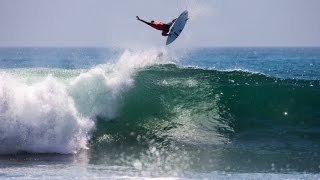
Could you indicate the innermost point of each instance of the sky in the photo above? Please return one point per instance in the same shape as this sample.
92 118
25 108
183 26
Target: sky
214 23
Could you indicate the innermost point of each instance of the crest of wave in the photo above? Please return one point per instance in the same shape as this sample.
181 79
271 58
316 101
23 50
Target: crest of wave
98 92
39 118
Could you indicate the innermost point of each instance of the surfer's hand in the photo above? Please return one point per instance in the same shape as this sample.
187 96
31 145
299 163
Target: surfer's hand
137 17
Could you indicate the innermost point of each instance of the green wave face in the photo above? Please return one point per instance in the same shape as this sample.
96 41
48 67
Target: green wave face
196 106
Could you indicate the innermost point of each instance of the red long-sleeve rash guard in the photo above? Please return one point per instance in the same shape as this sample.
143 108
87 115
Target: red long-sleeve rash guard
158 25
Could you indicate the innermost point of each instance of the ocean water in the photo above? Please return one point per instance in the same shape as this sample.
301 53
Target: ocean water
202 113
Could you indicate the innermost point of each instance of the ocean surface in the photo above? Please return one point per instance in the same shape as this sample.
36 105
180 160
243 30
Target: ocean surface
201 113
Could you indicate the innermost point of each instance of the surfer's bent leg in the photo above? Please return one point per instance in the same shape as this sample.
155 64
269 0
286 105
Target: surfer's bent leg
170 23
165 33
166 30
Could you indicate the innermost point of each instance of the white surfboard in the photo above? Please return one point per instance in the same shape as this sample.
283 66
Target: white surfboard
177 27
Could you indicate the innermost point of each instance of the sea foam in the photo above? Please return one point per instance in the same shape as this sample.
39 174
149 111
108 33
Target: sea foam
39 118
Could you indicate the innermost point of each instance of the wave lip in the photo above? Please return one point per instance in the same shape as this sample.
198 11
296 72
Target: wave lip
40 118
98 92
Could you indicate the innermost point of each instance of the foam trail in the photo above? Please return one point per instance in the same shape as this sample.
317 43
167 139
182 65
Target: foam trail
98 91
39 118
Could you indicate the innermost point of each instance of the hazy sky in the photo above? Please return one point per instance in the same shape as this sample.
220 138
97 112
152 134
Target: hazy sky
113 23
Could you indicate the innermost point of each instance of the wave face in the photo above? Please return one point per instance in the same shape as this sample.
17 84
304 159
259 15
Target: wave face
209 107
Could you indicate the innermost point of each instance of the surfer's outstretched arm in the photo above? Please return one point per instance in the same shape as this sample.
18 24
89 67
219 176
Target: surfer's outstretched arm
143 20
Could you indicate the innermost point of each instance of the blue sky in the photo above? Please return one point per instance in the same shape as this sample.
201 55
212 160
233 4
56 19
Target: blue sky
112 22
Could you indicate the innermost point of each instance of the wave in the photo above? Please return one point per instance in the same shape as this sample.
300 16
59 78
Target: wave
142 97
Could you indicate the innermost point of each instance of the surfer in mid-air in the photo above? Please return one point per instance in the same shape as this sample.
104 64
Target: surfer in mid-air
165 28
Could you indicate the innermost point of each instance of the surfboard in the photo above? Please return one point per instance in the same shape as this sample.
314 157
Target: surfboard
177 27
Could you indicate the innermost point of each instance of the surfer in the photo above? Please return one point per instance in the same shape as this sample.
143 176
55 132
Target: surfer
165 28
